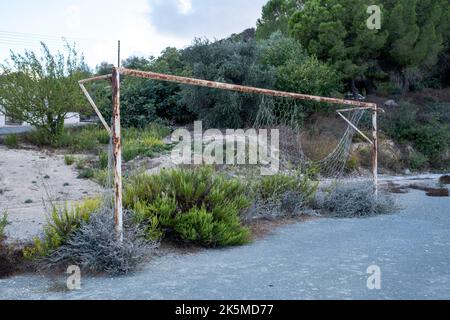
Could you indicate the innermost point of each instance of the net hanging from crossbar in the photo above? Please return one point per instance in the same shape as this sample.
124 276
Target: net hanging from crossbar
288 116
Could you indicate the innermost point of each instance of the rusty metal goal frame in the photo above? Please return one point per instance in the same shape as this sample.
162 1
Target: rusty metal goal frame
115 131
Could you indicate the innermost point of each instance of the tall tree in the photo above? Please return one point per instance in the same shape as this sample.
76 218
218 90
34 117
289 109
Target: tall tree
42 89
275 17
418 32
336 32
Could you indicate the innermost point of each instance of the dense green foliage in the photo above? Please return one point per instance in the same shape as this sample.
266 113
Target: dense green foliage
427 127
196 206
413 34
336 31
43 90
145 101
231 61
275 17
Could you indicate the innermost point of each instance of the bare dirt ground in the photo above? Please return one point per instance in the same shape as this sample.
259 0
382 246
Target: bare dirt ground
30 181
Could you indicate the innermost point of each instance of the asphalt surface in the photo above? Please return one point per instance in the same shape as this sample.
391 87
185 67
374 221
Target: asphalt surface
319 259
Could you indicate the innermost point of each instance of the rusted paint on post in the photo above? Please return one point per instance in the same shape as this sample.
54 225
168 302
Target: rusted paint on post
238 88
375 149
117 154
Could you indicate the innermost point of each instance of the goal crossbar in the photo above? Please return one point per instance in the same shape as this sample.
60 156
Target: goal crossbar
244 89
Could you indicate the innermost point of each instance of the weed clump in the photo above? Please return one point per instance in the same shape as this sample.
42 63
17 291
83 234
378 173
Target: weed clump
61 224
282 195
95 248
69 160
348 200
11 141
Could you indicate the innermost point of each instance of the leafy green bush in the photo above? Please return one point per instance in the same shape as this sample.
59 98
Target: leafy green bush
11 141
426 127
197 206
60 225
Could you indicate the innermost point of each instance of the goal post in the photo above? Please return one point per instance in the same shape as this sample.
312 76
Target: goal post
115 131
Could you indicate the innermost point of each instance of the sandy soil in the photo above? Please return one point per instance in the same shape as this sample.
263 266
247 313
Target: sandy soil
29 182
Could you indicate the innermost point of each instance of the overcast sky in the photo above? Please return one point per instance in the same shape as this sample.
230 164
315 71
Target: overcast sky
145 27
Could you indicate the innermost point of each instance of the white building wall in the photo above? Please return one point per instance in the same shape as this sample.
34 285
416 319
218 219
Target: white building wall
71 118
2 118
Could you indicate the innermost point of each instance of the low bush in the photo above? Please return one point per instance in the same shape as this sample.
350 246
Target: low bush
61 224
355 199
282 195
196 206
87 173
353 163
144 142
417 160
102 177
11 141
3 223
69 160
103 160
94 246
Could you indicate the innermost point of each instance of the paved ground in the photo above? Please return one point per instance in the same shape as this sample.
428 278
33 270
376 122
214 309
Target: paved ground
320 259
30 181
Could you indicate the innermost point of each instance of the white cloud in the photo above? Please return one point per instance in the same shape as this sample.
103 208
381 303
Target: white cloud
184 6
130 24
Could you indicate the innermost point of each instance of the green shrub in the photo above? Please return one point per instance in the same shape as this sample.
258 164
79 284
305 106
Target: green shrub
426 127
11 141
352 163
81 163
3 223
87 173
103 160
197 206
417 160
60 225
69 160
101 177
273 187
144 142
